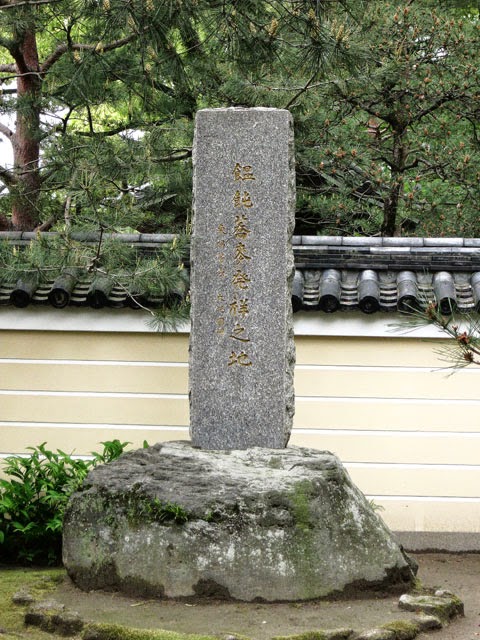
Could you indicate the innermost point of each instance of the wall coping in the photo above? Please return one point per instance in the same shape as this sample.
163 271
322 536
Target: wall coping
351 324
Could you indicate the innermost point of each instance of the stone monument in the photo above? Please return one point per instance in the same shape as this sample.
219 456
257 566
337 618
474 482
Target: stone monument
242 351
235 513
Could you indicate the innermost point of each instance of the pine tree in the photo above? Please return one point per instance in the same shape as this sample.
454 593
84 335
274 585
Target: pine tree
122 81
95 68
394 147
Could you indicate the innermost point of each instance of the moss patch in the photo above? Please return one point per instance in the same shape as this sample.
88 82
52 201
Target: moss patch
403 630
275 462
118 632
139 508
38 583
300 498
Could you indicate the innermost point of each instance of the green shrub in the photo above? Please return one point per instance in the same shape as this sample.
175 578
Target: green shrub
33 498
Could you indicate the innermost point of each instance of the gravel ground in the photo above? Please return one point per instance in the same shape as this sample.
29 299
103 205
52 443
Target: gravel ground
459 573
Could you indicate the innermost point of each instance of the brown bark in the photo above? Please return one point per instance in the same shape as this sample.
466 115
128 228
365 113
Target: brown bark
397 168
26 139
390 208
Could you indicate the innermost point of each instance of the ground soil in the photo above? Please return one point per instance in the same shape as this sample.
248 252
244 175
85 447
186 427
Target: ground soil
459 573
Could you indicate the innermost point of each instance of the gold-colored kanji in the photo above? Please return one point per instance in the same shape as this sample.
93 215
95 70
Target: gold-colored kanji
220 326
239 333
243 172
239 307
240 280
240 229
241 253
241 359
242 200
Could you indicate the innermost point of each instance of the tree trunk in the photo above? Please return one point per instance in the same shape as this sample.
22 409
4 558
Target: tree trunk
393 199
390 207
26 140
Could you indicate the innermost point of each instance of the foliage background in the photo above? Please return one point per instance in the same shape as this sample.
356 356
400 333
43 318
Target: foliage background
385 97
33 498
99 97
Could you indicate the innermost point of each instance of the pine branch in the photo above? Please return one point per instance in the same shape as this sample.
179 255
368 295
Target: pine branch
439 102
6 68
177 154
126 126
126 290
7 176
160 86
19 75
104 134
6 131
20 67
286 89
12 4
302 90
93 48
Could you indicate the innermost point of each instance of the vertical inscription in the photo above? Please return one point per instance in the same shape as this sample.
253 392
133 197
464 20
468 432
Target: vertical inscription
232 260
240 278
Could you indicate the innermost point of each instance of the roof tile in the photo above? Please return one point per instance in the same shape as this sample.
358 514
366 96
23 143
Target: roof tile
333 273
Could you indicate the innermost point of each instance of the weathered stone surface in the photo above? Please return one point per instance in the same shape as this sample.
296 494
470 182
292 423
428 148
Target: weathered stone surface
242 352
376 634
52 617
68 623
22 597
402 629
323 634
427 622
40 614
175 521
338 634
444 607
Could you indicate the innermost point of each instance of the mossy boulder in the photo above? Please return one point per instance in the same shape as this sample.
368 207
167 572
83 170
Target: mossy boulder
258 524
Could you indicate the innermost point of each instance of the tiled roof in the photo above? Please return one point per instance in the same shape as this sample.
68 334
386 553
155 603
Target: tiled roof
332 274
386 274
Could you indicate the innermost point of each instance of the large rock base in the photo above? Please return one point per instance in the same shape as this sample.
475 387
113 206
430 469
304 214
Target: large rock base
259 524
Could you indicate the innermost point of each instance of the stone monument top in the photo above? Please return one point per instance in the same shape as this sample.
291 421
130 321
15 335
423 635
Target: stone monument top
242 352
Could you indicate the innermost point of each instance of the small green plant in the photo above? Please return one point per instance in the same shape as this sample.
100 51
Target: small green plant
375 507
33 497
173 512
141 508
